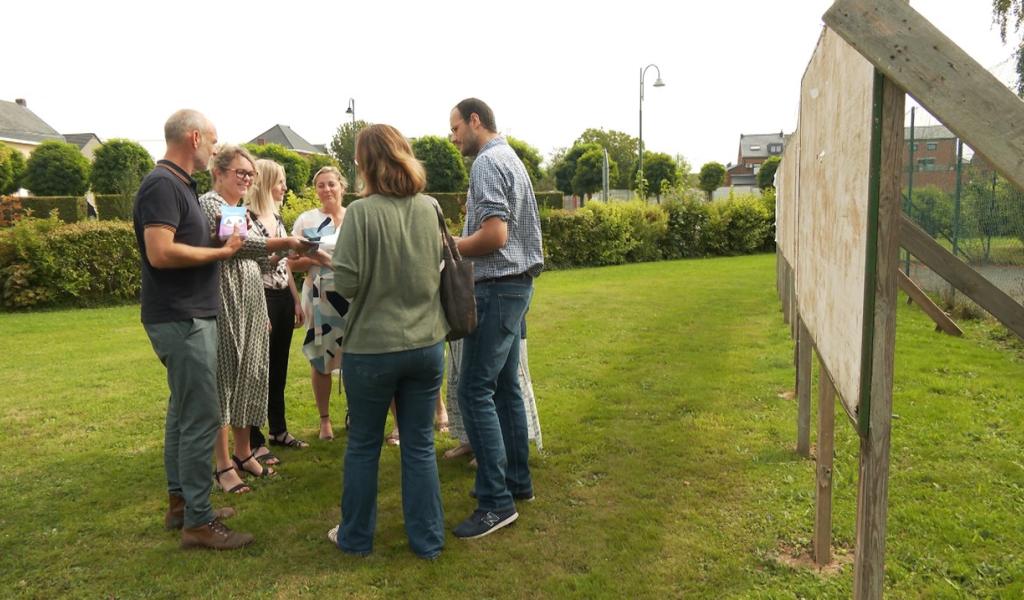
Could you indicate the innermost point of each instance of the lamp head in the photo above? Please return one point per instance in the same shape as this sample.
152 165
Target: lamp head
659 83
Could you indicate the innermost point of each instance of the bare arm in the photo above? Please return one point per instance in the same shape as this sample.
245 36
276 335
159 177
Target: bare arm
492 235
163 252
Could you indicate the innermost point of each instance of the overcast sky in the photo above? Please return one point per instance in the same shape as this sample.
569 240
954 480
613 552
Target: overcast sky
549 69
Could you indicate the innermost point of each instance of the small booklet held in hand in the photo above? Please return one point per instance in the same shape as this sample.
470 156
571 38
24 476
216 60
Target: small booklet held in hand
230 218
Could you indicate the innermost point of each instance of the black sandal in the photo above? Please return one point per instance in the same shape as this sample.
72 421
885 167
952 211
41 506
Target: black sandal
266 458
240 465
235 490
288 441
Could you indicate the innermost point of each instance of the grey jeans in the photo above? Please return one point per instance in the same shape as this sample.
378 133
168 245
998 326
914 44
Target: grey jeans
189 351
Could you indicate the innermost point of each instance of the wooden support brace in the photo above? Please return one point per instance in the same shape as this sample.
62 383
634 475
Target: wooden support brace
823 487
965 279
942 320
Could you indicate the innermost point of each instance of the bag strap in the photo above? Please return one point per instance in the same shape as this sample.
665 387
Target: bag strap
175 173
449 241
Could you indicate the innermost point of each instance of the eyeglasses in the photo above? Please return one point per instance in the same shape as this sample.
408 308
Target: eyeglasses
243 174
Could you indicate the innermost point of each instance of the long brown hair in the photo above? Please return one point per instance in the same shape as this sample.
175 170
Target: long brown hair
387 164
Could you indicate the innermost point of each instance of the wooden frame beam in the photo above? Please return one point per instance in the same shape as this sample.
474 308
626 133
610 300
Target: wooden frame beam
919 58
942 321
965 279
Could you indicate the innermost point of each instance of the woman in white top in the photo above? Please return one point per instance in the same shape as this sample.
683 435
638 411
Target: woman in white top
324 309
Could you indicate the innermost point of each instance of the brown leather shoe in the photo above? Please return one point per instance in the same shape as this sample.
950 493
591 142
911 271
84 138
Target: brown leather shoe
214 535
175 517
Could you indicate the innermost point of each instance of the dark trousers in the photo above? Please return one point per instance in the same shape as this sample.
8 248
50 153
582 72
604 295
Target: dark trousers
281 310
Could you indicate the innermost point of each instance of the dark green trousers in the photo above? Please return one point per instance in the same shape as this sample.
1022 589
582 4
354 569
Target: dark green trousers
189 351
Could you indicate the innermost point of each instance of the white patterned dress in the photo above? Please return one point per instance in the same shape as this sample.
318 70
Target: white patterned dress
243 328
324 308
456 428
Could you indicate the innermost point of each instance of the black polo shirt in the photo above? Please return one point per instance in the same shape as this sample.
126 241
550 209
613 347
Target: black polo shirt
167 198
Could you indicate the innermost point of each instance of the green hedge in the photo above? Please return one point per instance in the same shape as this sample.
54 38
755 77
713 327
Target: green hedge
70 209
610 234
551 200
44 263
114 207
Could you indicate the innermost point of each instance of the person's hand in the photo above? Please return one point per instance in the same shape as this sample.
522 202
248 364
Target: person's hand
300 317
321 258
297 244
233 244
274 259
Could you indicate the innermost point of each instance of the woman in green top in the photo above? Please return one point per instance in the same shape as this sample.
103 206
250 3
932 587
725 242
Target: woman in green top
386 263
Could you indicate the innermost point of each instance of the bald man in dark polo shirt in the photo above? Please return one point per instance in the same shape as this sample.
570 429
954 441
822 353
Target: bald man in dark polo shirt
180 300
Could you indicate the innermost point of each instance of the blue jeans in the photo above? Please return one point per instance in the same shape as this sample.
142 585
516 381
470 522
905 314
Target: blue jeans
413 379
189 351
490 398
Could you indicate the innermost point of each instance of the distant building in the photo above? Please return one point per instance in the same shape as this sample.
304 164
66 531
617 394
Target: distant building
87 142
753 151
932 157
285 136
20 127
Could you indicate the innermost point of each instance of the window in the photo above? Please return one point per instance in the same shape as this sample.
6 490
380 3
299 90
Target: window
926 164
932 145
755 148
775 148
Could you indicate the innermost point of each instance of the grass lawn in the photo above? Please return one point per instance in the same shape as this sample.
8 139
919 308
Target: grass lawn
668 469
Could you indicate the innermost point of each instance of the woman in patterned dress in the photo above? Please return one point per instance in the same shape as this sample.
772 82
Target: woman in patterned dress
242 326
324 308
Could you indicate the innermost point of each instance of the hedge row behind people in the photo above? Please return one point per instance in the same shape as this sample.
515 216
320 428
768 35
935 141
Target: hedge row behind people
44 263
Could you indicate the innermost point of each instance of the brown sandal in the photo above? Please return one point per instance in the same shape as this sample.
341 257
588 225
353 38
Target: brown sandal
241 488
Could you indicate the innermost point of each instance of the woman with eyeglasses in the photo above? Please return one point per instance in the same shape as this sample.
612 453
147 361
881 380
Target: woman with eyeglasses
387 262
242 327
324 308
284 306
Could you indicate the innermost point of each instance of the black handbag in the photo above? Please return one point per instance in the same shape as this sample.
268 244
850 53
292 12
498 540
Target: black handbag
457 287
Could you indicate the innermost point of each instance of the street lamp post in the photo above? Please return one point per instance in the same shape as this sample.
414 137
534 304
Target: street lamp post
657 83
351 110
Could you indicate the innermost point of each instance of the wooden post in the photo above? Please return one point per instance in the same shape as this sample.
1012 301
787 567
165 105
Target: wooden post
873 481
823 487
803 390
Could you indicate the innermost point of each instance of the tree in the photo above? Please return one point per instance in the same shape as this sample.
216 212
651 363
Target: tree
296 168
445 170
12 169
57 169
711 176
766 176
343 146
565 170
530 156
622 148
660 170
1005 13
118 167
317 162
587 177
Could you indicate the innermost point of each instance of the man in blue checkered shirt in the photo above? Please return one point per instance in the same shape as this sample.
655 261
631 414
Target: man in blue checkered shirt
502 238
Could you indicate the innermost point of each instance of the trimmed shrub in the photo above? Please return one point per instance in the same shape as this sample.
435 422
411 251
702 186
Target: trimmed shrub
57 169
591 236
45 263
441 159
12 169
70 209
10 210
685 229
118 167
736 226
551 200
646 226
296 168
114 207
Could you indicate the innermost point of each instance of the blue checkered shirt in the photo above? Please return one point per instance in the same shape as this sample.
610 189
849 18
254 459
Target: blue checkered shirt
499 186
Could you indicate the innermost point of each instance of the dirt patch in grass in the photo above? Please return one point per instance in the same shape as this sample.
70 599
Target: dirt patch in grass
801 558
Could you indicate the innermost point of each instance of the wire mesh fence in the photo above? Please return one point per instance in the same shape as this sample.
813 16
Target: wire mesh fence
956 196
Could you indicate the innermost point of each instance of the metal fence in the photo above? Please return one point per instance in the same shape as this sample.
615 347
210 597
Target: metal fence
957 197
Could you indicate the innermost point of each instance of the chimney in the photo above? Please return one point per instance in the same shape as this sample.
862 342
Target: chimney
21 102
